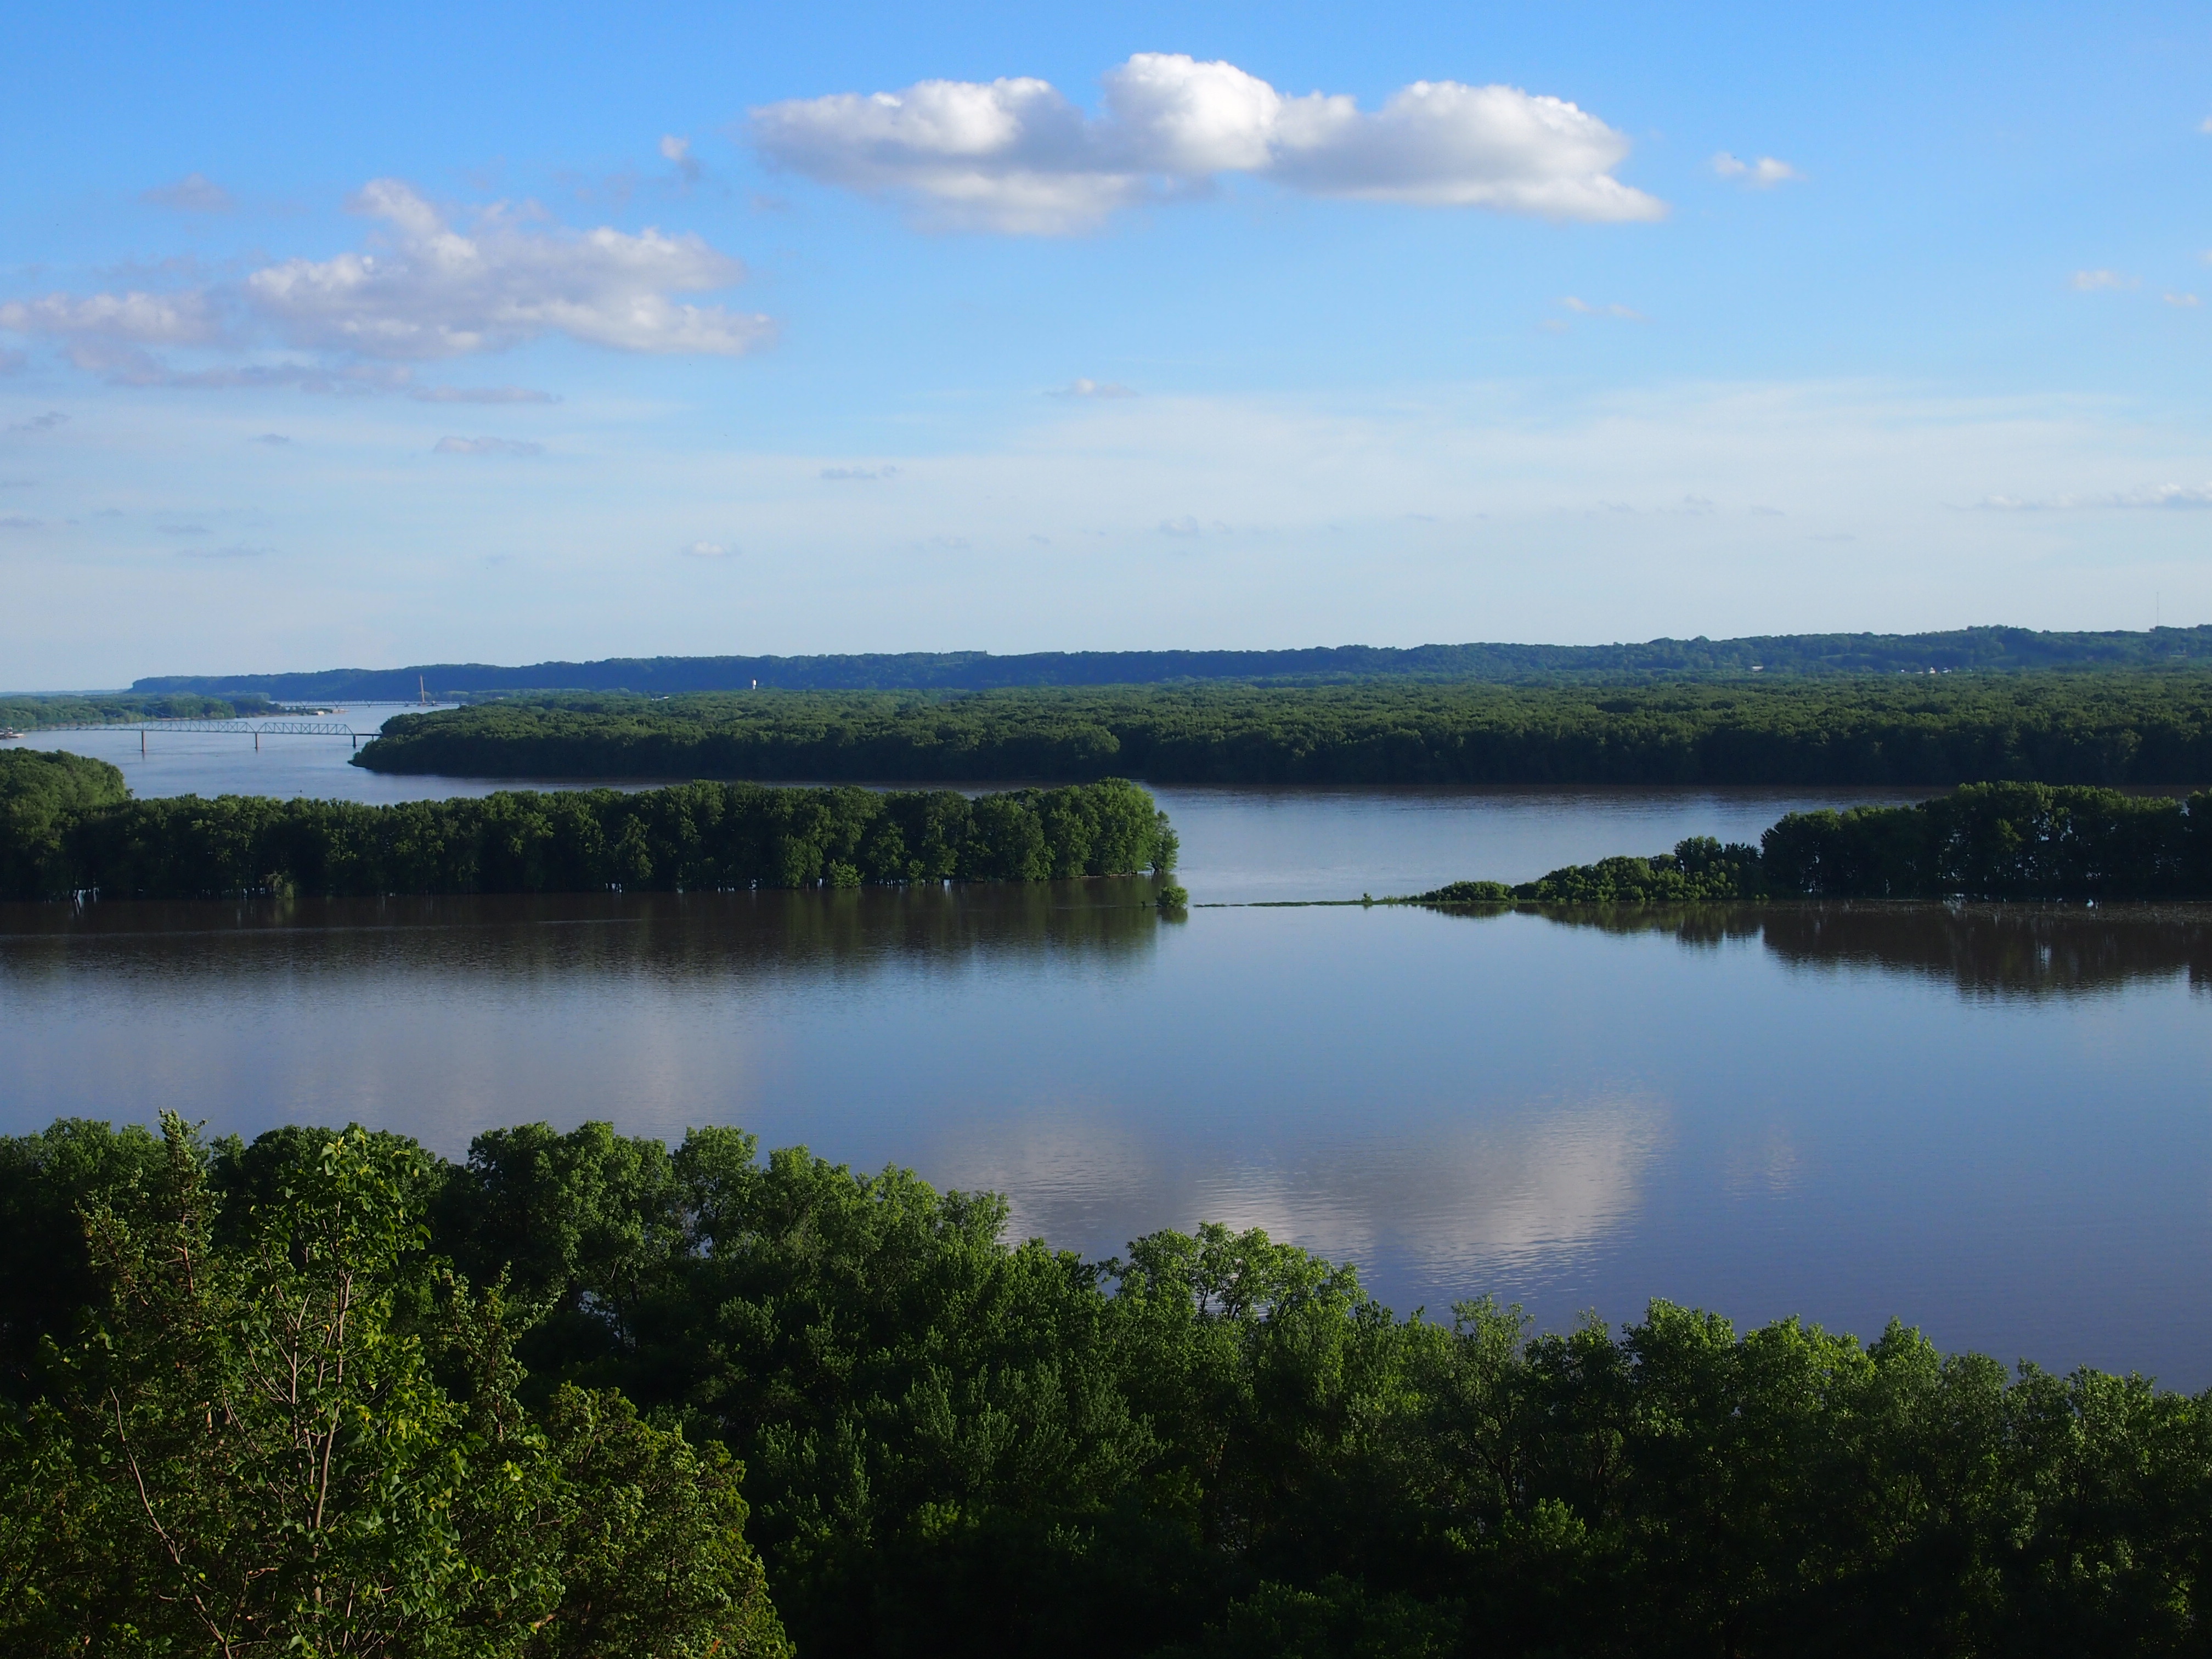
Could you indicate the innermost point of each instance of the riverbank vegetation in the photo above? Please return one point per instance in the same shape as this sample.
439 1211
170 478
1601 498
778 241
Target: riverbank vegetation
43 792
2111 728
2015 840
687 837
605 1397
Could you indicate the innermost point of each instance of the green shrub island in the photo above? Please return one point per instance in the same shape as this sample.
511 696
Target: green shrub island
328 1394
2133 727
2013 841
78 831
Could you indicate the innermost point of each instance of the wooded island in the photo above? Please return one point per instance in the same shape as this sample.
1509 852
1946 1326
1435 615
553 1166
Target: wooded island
2139 727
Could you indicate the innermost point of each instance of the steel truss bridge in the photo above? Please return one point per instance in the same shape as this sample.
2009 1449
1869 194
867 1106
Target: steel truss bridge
257 729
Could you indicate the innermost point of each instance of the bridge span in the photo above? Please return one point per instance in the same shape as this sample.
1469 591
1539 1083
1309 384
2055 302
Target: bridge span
257 729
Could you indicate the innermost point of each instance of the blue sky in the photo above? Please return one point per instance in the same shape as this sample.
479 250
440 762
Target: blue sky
504 332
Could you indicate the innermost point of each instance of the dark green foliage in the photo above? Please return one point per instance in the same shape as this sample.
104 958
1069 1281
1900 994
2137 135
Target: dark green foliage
2000 841
46 1271
307 1441
1699 870
40 791
1994 841
1992 650
1219 1449
1469 893
654 1560
691 837
2135 727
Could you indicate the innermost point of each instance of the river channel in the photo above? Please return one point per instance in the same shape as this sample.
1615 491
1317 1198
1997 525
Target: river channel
1991 1122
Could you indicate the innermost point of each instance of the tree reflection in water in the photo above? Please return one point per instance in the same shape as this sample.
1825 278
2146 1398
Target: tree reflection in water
2002 950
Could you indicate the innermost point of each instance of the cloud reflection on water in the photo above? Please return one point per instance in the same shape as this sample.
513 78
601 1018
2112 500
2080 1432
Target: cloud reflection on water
1525 1190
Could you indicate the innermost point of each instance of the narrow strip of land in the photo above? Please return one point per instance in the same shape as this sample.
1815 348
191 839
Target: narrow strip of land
2138 728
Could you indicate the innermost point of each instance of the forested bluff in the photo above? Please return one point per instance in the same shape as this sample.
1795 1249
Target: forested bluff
68 826
2139 727
1981 650
585 1395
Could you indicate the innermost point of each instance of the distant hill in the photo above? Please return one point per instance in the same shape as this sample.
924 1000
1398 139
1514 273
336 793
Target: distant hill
1981 649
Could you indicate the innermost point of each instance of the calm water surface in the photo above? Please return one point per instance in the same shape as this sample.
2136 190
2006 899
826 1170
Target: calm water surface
1993 1123
1239 844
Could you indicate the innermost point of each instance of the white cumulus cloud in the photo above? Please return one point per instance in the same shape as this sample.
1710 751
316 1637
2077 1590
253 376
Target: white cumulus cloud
1089 388
1015 155
2093 281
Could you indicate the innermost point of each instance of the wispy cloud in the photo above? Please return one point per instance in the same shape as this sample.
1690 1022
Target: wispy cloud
1764 173
1189 526
274 440
45 423
1015 155
481 394
129 365
13 363
2184 497
2185 301
677 150
235 550
2097 281
1585 308
445 293
182 529
710 550
486 446
859 474
16 521
138 317
1084 388
193 193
